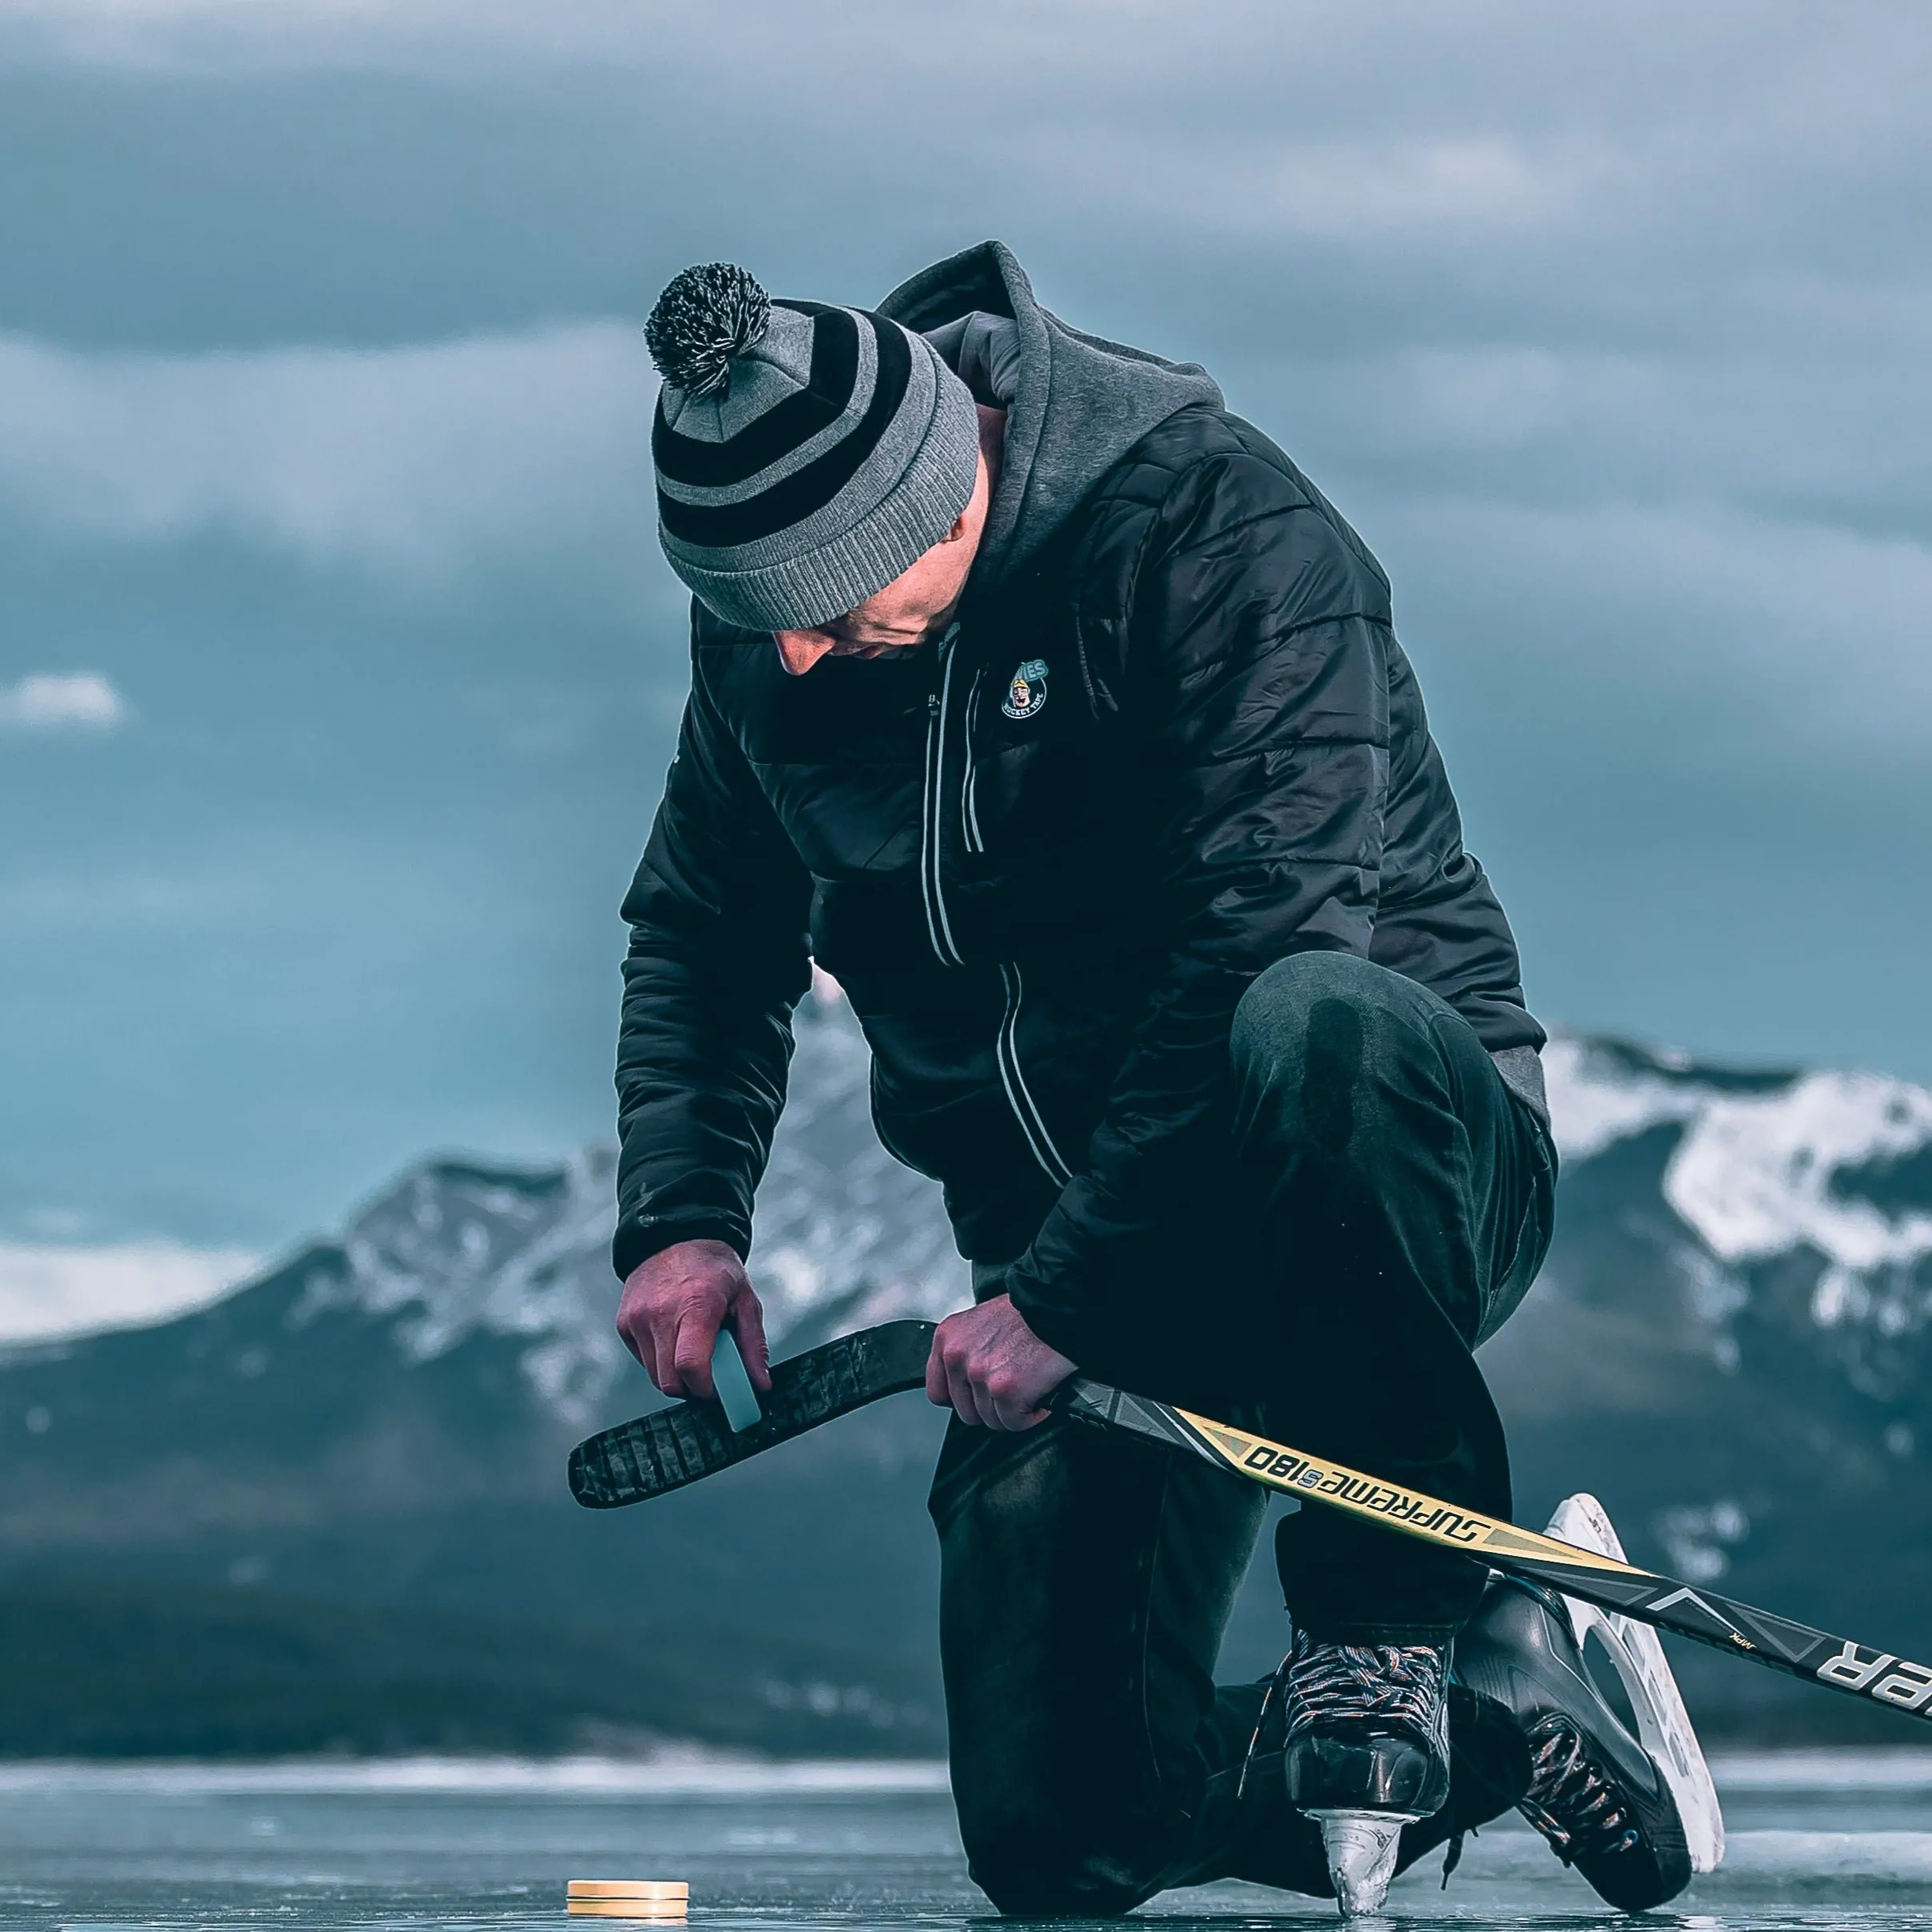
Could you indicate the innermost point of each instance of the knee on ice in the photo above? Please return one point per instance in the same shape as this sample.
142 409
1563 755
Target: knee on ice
1031 1872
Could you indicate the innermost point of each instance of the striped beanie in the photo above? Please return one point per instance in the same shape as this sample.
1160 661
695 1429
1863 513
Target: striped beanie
805 456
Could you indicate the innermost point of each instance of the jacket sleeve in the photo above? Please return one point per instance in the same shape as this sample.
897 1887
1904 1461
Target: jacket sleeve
719 957
1255 691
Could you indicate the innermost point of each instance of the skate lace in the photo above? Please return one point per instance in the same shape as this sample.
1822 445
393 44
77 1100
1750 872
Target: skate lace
1394 1681
1571 1802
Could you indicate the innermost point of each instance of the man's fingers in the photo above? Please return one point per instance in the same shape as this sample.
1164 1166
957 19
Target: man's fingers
748 1324
946 1384
961 1392
665 1331
996 1398
1010 1414
633 1326
1012 1410
991 1369
662 1342
624 1325
691 1354
980 1383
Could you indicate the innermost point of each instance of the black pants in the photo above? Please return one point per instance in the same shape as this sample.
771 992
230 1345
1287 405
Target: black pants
1394 1204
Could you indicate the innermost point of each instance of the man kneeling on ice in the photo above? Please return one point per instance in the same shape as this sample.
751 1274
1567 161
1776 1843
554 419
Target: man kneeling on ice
1051 708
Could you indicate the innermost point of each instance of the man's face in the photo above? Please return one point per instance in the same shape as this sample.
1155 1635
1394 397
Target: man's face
890 621
901 617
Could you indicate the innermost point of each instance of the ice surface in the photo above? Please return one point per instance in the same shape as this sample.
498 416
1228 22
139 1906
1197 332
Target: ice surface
429 1844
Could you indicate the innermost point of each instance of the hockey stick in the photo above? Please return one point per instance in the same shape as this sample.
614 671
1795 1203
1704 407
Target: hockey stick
664 1450
677 1446
1702 1615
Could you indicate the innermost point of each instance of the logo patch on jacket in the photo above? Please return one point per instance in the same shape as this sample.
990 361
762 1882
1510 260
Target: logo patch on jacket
1026 695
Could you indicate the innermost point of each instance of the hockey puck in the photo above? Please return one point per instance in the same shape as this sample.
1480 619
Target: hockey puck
629 1888
659 1911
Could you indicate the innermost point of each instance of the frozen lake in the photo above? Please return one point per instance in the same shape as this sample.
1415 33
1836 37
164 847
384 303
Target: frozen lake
1839 1840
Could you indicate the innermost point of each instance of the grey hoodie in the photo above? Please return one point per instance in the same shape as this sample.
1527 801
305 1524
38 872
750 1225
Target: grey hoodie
1075 403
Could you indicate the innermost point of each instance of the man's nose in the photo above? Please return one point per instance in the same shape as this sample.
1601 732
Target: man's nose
801 650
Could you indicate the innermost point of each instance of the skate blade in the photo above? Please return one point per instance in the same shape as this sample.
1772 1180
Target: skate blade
1663 1725
1360 1848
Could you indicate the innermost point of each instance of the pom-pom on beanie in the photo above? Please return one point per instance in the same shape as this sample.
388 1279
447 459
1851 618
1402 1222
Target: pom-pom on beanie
806 455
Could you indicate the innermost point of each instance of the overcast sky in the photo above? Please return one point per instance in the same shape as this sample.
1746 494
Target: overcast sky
337 667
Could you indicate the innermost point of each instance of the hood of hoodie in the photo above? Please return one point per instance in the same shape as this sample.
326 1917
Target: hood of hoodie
1079 402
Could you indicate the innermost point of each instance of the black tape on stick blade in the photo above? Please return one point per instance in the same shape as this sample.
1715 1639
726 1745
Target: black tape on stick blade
664 1451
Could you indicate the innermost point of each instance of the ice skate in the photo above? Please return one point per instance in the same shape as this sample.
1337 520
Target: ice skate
1366 1752
1637 1816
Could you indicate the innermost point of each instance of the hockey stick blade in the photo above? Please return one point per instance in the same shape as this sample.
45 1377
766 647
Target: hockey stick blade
663 1451
1857 1670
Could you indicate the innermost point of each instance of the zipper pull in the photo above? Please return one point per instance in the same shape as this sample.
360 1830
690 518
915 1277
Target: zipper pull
947 639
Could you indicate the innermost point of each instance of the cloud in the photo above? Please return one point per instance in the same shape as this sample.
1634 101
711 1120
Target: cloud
1604 322
48 1291
1396 115
413 462
1802 430
47 700
1253 184
1760 649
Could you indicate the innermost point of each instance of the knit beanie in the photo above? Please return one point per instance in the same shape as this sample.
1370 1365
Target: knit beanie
806 455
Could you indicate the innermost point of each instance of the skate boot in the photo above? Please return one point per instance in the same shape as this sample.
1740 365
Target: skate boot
1366 1752
1637 1816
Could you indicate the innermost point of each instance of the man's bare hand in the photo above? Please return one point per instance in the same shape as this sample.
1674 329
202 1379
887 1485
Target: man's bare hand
673 1306
992 1368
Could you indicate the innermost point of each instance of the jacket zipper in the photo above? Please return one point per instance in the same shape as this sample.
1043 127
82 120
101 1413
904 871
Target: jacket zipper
1018 1097
969 794
939 927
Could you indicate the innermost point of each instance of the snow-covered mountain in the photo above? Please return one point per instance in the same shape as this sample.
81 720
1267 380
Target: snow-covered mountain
454 1250
1823 1174
1827 1174
1729 1345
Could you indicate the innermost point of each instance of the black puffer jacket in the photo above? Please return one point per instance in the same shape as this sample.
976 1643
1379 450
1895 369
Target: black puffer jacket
1173 740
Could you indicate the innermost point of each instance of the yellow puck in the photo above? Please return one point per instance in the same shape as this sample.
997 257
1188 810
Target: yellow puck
666 1911
629 1888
